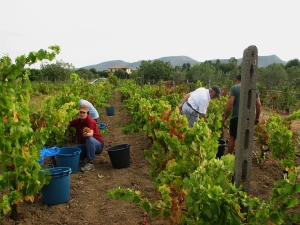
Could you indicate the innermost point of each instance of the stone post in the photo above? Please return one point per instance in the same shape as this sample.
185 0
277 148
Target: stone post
245 131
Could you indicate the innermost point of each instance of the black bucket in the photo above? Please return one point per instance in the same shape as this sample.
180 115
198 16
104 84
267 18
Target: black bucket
221 148
119 156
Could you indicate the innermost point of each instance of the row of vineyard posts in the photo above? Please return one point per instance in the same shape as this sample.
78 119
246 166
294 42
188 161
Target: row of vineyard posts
26 127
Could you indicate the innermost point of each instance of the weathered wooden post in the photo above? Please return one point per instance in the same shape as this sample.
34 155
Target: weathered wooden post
245 131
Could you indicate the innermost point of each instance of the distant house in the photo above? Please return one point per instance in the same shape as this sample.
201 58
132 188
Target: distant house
115 68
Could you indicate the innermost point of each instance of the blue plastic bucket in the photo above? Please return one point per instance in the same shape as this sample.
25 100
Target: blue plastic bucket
110 111
58 190
101 126
69 157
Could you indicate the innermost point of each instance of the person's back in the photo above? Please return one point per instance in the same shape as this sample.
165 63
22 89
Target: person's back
235 91
194 104
93 112
199 99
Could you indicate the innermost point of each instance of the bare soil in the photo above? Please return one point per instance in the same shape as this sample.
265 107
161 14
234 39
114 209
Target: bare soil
89 202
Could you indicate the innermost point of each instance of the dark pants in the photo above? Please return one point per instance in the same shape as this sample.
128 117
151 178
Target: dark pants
233 127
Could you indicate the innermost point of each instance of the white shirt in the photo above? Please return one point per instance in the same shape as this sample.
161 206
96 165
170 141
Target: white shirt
199 99
93 112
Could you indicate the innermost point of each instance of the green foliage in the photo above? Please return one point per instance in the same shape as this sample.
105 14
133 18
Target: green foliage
98 94
217 73
276 133
21 176
294 74
136 76
195 187
283 197
285 100
59 71
291 63
211 197
206 73
113 79
272 76
102 74
93 70
86 74
197 72
156 70
52 126
121 74
25 129
178 76
127 92
227 67
35 75
42 88
186 67
214 114
280 141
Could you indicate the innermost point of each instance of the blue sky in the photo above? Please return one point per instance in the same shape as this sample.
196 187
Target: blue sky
94 31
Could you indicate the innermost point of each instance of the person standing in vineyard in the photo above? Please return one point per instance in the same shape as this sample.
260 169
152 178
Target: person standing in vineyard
92 110
194 104
88 137
233 105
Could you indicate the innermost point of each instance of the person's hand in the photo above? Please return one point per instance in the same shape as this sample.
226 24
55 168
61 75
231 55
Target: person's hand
256 121
85 132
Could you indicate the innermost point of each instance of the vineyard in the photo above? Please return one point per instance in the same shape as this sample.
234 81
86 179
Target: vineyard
174 177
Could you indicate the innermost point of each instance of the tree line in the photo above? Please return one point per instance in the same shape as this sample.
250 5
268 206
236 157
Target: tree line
273 76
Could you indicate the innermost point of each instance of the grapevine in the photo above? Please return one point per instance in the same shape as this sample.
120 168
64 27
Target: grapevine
21 175
195 187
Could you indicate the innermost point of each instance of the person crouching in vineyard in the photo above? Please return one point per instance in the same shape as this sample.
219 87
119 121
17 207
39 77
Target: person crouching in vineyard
194 104
88 136
233 105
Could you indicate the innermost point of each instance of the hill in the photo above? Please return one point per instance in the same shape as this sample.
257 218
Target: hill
180 60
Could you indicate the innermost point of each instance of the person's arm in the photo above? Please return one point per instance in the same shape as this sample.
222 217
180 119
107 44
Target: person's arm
184 100
91 125
258 110
228 109
72 123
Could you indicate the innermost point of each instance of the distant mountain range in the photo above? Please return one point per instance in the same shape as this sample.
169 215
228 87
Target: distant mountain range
180 60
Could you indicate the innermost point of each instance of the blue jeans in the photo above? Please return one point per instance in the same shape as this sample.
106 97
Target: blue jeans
90 148
191 115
